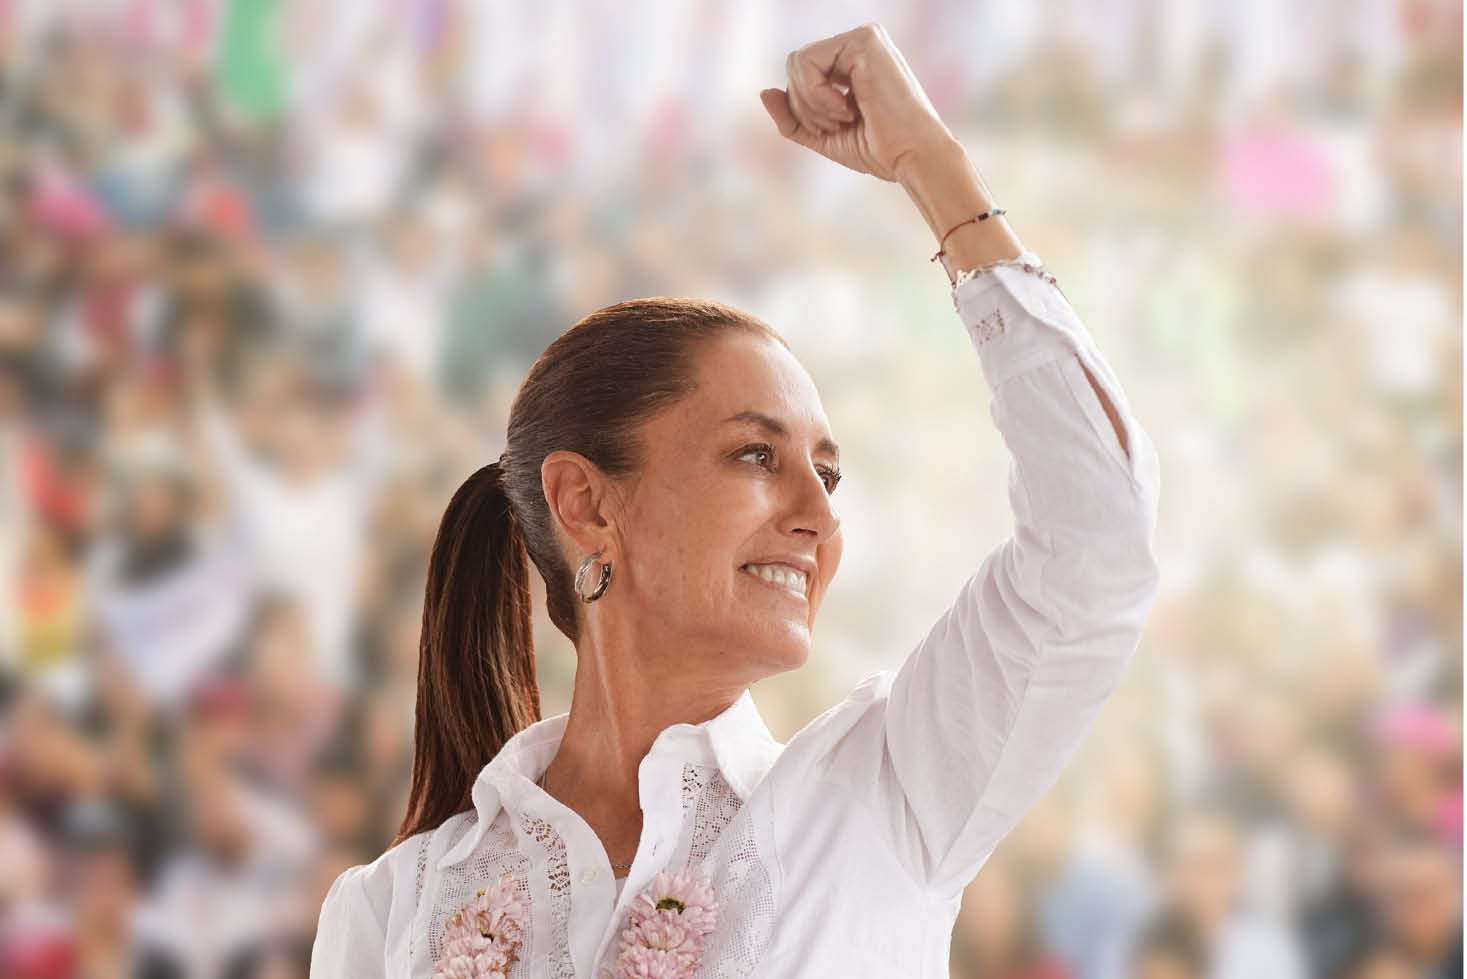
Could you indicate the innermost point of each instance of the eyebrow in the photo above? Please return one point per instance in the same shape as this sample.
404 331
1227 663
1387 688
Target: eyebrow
777 427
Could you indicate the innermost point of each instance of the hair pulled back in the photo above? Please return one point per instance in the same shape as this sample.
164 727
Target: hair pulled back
589 392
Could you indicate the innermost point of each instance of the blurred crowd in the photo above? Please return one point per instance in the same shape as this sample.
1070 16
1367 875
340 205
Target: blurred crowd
270 275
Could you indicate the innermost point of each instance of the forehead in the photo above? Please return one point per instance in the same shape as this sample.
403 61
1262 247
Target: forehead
742 372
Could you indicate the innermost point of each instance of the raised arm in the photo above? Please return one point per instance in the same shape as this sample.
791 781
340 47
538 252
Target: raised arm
949 751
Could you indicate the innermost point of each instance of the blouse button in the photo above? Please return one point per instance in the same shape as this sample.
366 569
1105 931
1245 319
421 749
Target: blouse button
588 875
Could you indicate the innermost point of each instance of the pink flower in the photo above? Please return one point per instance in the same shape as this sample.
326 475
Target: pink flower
667 925
482 939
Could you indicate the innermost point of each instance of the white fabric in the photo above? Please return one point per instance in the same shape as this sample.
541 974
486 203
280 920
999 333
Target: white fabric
844 852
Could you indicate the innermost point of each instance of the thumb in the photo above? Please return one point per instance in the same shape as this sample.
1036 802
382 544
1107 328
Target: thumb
776 103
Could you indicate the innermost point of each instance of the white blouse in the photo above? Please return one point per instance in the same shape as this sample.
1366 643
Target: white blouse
844 852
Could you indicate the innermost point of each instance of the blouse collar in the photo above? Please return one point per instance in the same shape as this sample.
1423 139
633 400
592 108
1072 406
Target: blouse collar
736 741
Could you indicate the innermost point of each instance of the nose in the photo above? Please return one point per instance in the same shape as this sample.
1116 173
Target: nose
811 510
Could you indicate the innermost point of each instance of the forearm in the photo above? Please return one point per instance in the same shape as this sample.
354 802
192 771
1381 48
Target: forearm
947 188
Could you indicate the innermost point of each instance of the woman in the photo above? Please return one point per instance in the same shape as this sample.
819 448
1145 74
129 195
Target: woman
670 463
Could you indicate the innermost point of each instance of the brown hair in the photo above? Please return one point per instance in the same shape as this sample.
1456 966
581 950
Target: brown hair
589 392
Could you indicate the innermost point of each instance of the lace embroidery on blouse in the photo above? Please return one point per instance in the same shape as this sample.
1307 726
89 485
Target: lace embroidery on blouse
727 846
717 832
497 854
989 326
963 275
558 869
422 870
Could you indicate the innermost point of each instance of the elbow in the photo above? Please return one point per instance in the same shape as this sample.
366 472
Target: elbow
1148 575
1137 570
1103 584
1130 604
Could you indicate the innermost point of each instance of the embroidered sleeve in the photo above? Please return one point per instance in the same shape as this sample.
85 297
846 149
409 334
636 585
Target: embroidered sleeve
1027 261
984 713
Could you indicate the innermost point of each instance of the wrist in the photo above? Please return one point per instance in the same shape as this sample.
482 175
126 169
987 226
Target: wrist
945 186
937 155
948 191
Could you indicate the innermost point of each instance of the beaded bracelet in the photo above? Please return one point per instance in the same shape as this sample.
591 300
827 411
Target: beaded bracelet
990 213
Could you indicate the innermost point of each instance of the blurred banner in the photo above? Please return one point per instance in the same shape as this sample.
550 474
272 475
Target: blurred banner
271 273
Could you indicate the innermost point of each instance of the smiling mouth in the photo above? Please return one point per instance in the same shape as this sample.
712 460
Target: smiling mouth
780 577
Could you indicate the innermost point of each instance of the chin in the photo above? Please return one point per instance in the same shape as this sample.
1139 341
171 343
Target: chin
788 646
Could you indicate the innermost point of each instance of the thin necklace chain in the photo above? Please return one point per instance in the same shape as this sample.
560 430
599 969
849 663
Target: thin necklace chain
615 866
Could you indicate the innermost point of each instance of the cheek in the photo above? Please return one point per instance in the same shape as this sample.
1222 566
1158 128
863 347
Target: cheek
827 556
689 539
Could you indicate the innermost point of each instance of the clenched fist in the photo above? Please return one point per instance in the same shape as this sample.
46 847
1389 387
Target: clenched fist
852 99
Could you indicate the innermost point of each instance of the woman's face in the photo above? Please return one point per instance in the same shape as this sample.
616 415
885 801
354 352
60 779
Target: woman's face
738 472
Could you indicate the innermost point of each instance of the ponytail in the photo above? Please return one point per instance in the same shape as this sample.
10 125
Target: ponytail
476 657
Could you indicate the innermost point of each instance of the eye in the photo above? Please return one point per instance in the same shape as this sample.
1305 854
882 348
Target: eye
828 475
763 448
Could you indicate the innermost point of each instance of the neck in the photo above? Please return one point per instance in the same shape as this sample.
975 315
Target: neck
616 714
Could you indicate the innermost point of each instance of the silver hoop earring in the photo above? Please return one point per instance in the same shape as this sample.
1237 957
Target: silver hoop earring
600 585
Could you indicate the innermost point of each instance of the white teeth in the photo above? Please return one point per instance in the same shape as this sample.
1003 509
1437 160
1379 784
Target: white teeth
779 574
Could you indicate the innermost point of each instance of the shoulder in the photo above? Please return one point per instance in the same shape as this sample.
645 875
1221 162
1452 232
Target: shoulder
363 893
368 910
370 890
852 728
865 701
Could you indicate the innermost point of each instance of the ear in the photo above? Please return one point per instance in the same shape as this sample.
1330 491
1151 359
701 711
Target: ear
577 493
